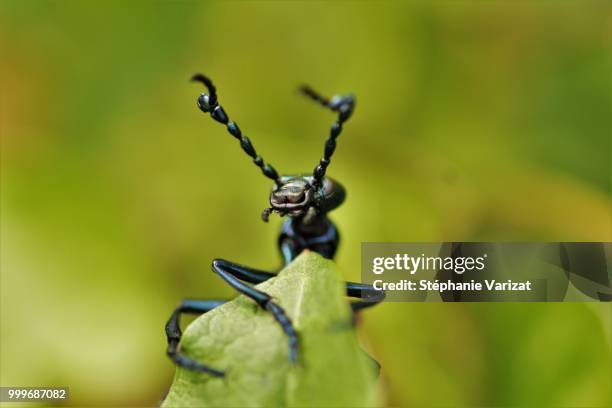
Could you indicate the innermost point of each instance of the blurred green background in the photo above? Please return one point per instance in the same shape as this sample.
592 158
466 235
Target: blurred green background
475 121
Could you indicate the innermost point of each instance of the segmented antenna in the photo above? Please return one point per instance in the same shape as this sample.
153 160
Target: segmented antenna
209 103
344 105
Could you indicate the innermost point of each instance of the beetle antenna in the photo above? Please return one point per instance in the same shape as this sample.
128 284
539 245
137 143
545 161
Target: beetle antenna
208 103
344 106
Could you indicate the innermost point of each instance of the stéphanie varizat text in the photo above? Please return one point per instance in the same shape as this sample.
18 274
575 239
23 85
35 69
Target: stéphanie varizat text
459 265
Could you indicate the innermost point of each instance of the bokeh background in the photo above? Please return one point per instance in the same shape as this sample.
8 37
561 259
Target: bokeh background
475 121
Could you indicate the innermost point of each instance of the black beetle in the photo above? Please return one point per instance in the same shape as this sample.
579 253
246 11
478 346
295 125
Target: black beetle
306 200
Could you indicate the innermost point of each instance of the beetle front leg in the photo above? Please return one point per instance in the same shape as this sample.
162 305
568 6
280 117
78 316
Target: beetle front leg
174 333
235 274
191 306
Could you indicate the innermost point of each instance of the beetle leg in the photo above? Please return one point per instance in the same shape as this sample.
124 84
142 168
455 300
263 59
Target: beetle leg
241 272
235 274
368 295
188 306
173 332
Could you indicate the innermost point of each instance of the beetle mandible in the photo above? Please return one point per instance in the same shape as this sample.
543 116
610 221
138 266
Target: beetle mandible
306 200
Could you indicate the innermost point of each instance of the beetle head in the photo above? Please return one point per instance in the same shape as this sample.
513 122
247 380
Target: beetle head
293 197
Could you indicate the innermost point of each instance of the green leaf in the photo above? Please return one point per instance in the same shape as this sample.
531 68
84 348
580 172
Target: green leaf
246 342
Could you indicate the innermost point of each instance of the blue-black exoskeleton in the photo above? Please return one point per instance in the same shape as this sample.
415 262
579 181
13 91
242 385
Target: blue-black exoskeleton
305 200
